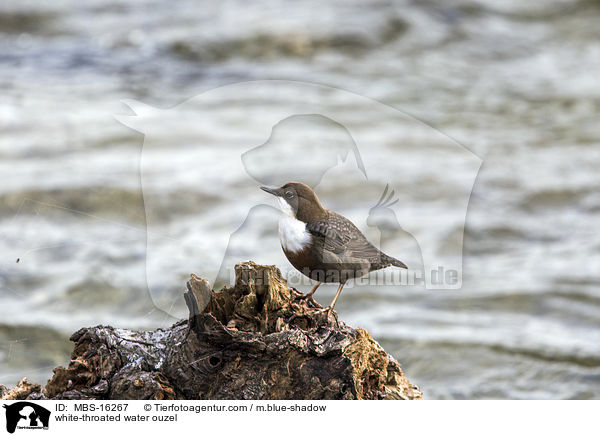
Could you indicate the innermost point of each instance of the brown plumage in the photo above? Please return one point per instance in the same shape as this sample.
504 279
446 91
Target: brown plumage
322 244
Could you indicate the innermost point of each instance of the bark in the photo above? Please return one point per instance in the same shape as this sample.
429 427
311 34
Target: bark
255 340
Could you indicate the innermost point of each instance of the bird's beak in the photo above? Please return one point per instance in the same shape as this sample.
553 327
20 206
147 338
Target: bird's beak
273 191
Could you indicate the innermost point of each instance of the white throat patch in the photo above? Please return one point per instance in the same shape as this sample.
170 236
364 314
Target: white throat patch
292 232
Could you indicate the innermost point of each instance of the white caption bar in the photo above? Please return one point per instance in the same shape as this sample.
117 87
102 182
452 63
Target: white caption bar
299 417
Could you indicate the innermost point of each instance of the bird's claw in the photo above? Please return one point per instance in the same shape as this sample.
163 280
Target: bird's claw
309 298
327 310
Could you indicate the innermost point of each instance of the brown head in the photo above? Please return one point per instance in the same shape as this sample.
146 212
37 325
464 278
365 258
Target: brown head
299 200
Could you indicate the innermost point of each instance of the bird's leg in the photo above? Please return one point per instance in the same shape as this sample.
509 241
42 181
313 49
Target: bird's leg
312 291
329 308
337 294
309 296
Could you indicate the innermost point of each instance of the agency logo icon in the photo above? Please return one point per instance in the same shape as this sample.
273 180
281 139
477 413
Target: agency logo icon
26 415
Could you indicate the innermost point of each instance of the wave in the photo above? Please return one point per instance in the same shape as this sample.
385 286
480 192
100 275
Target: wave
296 44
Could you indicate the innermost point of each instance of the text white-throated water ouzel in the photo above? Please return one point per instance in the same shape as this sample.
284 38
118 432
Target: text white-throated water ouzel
322 244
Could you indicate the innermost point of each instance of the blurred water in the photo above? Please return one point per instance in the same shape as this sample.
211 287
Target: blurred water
515 82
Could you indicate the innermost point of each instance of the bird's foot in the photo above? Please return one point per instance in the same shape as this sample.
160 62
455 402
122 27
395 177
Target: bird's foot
330 315
327 309
310 299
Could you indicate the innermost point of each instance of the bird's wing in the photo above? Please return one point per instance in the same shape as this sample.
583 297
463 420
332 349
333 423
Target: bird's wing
338 236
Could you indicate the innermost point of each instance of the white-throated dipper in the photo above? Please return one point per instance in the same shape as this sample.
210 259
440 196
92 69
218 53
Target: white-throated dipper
322 244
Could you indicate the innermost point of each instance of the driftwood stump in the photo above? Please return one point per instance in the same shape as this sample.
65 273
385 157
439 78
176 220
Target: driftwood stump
256 340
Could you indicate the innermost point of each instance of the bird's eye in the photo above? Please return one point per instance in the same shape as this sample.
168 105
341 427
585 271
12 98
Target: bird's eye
289 194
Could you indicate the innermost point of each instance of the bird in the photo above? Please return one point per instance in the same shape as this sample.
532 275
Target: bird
322 244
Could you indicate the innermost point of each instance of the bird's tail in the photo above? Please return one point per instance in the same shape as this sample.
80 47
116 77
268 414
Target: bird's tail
393 261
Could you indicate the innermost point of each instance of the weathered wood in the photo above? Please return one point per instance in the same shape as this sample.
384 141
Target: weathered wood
256 340
22 391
